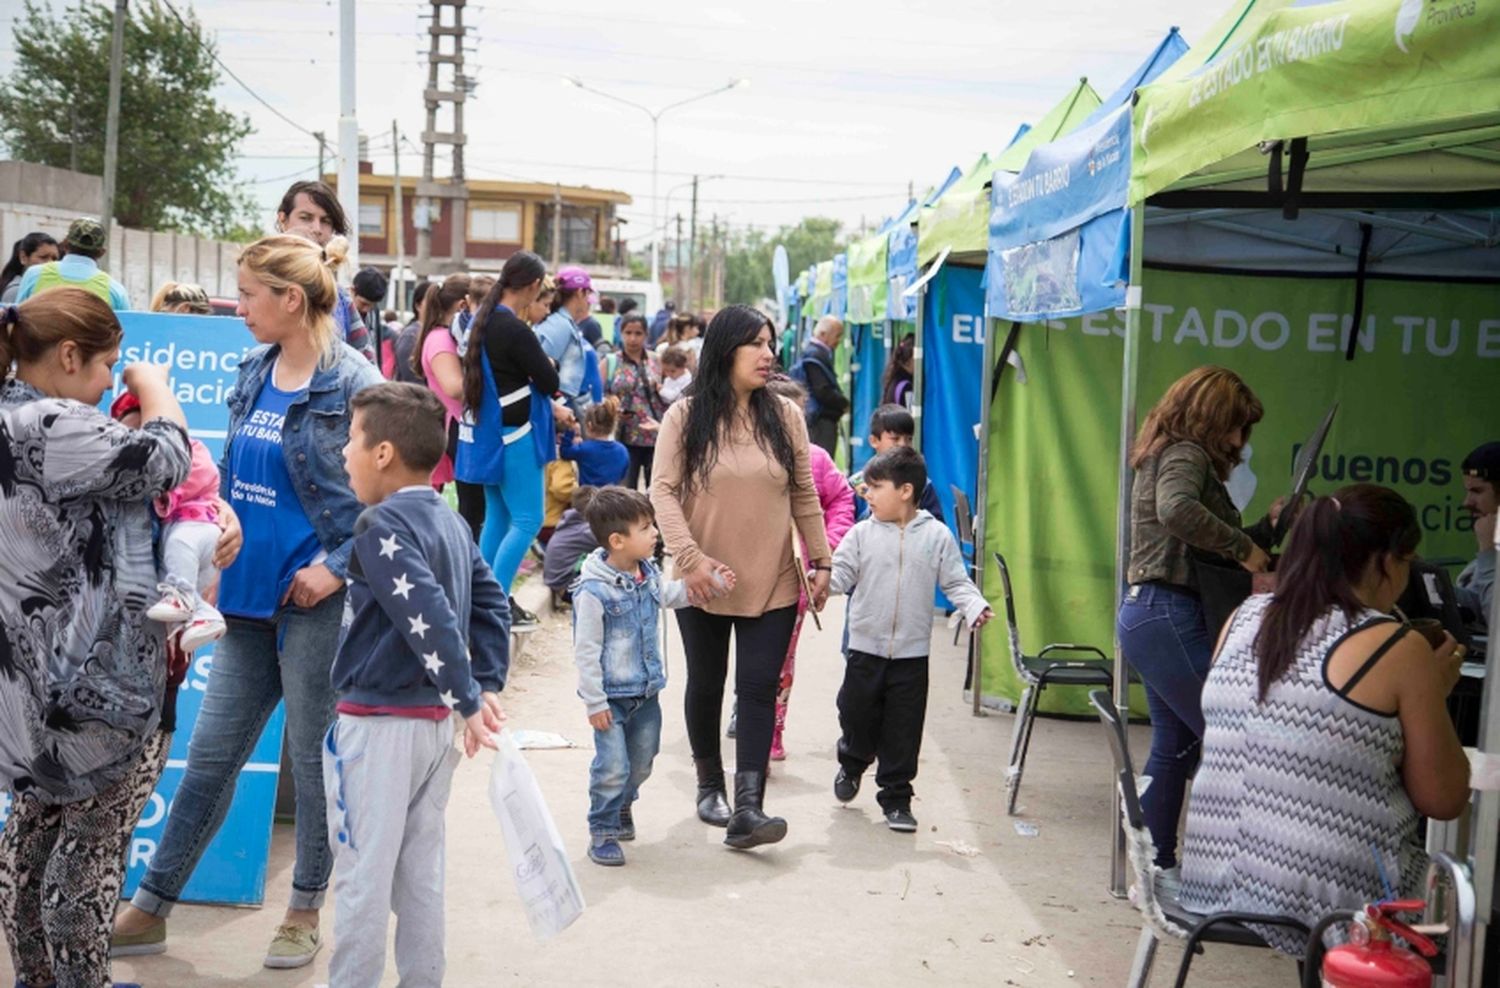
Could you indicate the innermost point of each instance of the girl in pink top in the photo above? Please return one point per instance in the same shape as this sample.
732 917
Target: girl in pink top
190 533
837 499
437 360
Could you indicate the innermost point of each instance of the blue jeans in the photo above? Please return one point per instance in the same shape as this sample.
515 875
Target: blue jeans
512 512
1165 638
256 665
622 760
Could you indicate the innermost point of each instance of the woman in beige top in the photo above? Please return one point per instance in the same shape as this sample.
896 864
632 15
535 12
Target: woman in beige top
730 479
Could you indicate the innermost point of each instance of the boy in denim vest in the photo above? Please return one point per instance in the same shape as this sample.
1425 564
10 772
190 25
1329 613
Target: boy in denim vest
620 670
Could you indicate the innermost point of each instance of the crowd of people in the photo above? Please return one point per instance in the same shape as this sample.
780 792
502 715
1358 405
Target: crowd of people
320 556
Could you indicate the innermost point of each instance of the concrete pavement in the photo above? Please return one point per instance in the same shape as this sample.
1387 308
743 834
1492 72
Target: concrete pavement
842 901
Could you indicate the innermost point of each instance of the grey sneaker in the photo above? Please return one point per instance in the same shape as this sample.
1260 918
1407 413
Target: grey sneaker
293 946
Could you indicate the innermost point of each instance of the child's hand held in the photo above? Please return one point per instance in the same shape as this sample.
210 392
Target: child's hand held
602 721
984 618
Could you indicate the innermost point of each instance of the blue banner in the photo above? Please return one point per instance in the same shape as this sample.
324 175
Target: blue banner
952 381
866 368
901 269
839 304
1059 233
203 354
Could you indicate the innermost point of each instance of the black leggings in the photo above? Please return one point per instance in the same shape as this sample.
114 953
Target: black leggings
641 459
761 648
471 506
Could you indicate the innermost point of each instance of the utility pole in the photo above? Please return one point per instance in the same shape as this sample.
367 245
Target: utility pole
112 118
73 134
400 223
692 287
911 190
455 189
677 267
556 227
348 129
322 153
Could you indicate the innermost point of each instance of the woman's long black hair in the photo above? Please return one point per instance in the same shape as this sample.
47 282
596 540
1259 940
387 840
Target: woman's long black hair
711 411
1332 544
28 244
521 269
894 371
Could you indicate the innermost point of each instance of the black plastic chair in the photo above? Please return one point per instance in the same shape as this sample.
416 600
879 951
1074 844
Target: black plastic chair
1164 916
1055 665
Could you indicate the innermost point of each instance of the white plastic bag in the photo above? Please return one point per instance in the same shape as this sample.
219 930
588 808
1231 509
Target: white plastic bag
539 862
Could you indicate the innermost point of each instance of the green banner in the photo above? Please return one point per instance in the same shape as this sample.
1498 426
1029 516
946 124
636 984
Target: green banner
869 285
1418 396
1287 69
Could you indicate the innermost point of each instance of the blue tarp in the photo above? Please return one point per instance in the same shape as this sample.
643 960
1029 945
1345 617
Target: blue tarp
866 368
1059 231
952 381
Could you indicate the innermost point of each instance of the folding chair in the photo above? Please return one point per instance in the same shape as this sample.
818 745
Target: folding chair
1164 917
1038 672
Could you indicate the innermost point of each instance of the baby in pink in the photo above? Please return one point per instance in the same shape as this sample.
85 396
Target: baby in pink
190 532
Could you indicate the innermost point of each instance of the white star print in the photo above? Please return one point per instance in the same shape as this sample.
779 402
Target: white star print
418 626
403 588
388 547
449 699
432 662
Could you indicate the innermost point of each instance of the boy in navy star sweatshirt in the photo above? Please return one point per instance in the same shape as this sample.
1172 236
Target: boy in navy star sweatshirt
426 632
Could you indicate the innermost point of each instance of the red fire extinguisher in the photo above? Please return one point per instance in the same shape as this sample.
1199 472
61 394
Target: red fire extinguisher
1371 959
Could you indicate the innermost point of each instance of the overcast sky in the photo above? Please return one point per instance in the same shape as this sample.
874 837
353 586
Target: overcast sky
848 101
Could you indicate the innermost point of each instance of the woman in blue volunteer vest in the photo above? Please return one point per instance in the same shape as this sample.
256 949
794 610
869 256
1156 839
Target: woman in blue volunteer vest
507 435
283 473
577 363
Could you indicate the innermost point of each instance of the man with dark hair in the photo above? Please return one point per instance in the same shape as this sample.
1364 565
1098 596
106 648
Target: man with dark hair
1476 584
311 210
406 340
369 295
78 268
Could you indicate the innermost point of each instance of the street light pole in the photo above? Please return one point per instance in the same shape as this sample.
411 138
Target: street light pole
658 222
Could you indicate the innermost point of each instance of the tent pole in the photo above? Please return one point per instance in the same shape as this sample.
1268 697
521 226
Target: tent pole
981 497
1130 372
1484 855
916 367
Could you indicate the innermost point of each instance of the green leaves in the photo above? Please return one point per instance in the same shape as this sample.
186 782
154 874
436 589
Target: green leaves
177 144
747 268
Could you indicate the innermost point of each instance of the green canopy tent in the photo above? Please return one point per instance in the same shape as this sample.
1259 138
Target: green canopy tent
1314 196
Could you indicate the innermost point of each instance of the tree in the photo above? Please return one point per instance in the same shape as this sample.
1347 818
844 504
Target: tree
747 266
177 144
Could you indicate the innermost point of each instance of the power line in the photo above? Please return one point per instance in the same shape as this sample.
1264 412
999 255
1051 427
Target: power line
230 72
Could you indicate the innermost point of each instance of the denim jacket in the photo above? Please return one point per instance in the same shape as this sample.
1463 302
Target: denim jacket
614 631
562 341
312 441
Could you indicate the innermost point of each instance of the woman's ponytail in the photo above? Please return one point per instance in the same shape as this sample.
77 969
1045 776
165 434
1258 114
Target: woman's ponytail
1331 546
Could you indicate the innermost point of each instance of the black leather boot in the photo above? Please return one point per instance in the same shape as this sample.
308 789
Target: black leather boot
713 806
749 826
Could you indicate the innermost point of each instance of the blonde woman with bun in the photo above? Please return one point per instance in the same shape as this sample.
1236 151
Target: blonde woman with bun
181 298
82 671
283 472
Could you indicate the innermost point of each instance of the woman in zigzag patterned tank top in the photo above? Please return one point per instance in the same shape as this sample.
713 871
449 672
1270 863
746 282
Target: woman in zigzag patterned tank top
1326 731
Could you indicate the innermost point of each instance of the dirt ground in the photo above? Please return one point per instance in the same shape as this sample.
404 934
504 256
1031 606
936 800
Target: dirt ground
967 900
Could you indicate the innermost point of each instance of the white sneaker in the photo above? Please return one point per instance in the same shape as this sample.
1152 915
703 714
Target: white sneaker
175 607
200 631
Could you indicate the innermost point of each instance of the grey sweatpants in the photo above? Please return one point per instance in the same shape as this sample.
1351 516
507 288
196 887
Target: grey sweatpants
387 780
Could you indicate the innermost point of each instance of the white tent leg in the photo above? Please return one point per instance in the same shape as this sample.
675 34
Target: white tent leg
1145 956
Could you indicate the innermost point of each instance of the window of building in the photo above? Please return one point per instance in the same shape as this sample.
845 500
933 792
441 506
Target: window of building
499 224
371 217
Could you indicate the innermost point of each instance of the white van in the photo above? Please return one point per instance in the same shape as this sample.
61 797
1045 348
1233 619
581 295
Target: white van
647 294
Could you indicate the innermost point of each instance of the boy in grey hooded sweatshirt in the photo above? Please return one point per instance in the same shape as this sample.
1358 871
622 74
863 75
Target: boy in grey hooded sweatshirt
889 564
